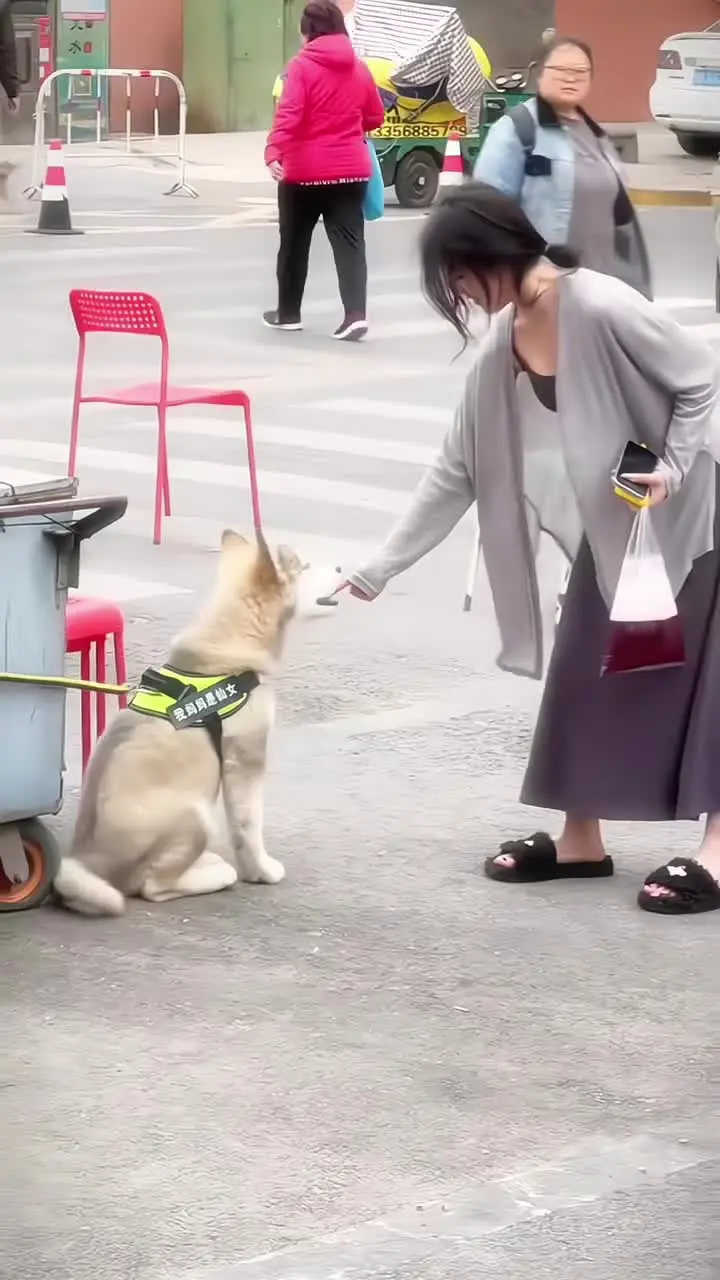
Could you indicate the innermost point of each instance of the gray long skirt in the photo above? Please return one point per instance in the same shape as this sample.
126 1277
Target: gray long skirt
643 746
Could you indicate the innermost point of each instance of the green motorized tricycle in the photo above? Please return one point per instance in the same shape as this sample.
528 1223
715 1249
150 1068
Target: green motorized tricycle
411 157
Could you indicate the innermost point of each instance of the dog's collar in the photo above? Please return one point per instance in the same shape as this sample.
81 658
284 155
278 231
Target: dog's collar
191 701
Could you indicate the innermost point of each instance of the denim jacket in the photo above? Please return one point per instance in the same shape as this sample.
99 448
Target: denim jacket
548 197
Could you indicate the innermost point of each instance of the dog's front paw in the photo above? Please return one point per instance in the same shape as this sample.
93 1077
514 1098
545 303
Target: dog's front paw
269 871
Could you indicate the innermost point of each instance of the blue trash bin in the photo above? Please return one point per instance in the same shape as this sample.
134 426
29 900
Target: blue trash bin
42 529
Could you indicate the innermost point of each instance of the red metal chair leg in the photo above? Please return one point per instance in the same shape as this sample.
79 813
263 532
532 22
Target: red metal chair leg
159 499
120 667
163 456
75 424
74 433
100 698
252 466
85 708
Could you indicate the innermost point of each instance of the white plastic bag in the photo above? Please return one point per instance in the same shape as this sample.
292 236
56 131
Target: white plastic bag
644 592
645 629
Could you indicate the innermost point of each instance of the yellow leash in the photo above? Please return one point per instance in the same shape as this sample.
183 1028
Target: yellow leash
66 682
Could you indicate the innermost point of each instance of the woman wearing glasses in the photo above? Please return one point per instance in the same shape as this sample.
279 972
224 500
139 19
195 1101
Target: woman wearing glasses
561 166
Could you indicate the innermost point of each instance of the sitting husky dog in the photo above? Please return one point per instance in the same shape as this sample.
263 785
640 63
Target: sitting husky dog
147 819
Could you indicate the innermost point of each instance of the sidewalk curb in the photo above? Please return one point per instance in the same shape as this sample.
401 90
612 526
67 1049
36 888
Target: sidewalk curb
678 199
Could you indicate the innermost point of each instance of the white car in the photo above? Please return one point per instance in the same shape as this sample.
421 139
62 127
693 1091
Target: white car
686 94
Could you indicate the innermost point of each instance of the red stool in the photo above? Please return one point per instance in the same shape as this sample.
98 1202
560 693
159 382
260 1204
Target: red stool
89 622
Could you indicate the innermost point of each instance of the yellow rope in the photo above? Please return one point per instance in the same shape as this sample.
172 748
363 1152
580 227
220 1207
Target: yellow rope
66 682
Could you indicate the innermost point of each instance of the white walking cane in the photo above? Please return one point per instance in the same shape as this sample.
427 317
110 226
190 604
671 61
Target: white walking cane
475 554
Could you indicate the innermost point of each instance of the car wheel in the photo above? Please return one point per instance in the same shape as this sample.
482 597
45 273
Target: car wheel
699 144
417 179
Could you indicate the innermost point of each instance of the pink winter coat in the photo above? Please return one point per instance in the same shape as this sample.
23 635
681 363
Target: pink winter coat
329 102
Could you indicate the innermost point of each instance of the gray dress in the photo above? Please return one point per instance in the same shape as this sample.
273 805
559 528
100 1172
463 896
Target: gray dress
635 747
592 230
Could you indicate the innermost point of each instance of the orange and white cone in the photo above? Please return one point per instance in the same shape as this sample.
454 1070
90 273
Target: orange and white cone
54 219
452 173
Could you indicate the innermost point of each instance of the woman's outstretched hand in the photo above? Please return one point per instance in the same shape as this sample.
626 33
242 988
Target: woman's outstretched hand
656 483
354 591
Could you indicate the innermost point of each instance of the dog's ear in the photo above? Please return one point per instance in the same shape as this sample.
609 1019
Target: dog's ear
232 539
266 574
290 563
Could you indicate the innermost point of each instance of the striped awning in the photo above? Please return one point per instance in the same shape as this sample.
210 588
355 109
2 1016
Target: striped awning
425 43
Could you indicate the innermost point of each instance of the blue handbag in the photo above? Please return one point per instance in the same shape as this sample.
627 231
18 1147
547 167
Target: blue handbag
374 203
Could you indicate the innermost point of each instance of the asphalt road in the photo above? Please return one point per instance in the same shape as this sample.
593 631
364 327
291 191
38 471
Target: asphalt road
387 1067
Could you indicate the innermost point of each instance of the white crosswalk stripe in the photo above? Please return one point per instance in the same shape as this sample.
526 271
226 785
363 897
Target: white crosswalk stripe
380 450
361 408
127 470
215 474
335 469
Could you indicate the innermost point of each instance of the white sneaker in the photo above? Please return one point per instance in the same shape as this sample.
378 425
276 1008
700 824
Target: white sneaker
352 329
271 320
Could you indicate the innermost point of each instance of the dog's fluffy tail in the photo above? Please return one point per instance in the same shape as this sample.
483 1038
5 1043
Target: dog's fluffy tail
82 891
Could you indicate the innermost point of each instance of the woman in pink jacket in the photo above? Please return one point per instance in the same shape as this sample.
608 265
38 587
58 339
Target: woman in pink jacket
318 153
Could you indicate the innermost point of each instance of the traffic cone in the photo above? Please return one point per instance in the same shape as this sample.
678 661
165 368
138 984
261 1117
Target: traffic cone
452 173
54 219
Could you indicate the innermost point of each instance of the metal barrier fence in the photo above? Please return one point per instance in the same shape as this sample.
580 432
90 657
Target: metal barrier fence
109 148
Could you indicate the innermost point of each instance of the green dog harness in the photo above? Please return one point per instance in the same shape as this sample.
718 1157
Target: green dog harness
191 701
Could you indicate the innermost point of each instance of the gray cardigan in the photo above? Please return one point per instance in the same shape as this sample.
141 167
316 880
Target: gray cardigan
626 371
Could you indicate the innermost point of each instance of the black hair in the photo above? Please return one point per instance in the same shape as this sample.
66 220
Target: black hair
566 42
478 230
322 18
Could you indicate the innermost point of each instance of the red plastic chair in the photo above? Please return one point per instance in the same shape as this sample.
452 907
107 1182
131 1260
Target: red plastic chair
140 314
89 622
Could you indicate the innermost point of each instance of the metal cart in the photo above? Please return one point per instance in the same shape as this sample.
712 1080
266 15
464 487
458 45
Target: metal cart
42 528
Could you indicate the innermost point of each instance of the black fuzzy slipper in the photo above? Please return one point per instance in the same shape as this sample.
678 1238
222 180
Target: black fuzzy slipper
692 889
535 859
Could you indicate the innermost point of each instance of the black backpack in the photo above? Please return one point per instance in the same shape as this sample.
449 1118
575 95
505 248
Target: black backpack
526 130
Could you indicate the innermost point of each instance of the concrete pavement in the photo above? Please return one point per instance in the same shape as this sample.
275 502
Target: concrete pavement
664 174
387 1067
228 172
662 164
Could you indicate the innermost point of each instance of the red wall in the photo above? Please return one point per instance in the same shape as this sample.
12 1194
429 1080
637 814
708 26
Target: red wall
146 34
625 36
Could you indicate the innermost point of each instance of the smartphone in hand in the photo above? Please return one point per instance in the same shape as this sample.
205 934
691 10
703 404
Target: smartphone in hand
636 459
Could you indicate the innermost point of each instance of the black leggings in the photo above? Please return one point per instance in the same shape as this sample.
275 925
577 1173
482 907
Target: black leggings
340 205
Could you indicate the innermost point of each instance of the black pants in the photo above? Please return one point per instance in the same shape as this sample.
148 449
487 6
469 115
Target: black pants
340 205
